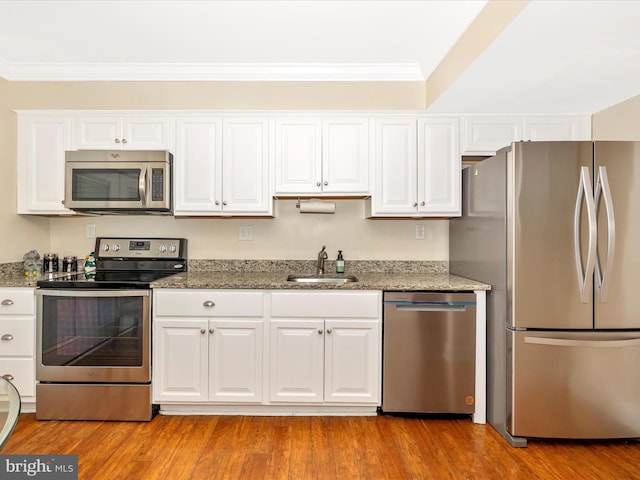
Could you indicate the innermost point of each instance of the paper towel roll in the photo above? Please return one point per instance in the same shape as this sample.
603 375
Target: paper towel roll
311 206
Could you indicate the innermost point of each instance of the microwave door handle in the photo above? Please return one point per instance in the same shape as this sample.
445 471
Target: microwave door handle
142 186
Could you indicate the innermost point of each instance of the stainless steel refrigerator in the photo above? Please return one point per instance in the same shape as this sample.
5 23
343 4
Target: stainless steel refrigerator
554 227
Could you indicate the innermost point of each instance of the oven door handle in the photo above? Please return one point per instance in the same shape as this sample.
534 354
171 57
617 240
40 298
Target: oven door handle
91 292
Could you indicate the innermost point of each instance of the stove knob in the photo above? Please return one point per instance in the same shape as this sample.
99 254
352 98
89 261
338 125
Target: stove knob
116 247
105 247
172 248
162 248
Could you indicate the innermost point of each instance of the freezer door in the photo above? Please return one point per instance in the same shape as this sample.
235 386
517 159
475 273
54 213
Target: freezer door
616 295
548 279
574 384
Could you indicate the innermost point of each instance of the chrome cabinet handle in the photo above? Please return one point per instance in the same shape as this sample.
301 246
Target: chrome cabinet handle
224 202
585 195
124 140
217 202
318 184
329 331
423 203
8 376
319 331
7 336
211 330
209 304
117 140
415 204
203 331
603 190
326 183
7 302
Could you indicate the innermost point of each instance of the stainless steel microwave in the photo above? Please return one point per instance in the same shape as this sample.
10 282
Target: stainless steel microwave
104 181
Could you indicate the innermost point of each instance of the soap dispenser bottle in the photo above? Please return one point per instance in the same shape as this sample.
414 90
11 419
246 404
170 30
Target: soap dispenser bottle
340 263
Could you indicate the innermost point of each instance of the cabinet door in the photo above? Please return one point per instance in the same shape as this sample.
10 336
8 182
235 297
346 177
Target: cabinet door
485 135
245 167
21 372
297 360
396 159
439 169
100 132
235 361
198 166
146 133
180 360
298 155
557 127
42 141
345 152
123 133
352 361
17 336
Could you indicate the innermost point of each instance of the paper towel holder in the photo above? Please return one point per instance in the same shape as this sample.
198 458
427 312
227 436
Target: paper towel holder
315 205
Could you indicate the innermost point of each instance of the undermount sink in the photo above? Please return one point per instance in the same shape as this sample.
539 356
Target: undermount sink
326 278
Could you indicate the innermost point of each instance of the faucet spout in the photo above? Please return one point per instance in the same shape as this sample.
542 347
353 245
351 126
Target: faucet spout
322 256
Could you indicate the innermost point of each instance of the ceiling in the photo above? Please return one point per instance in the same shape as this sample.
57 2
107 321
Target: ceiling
555 57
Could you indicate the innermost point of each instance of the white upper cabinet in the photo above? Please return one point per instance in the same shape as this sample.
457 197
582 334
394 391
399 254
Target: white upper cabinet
486 134
322 155
123 132
198 165
417 168
42 141
222 166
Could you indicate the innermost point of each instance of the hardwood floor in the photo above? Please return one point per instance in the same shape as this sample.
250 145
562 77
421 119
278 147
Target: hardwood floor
367 448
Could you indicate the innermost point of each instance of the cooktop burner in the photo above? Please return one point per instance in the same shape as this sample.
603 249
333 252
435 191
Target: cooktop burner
131 263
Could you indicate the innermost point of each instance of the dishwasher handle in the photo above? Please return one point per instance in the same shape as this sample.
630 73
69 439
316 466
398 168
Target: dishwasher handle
431 307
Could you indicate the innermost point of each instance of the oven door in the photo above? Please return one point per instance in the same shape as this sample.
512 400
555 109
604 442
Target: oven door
93 336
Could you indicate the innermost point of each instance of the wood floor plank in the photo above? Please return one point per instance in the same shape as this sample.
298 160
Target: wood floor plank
297 448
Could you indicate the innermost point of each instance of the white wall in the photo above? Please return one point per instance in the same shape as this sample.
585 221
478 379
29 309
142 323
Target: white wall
288 236
618 122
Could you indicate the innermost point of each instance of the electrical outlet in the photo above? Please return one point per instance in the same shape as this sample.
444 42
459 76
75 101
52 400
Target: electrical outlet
420 231
91 230
245 232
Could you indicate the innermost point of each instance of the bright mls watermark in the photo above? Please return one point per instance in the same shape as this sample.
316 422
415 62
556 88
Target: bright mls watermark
52 467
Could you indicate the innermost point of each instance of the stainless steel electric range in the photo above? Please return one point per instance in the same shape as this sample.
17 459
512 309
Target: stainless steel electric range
93 356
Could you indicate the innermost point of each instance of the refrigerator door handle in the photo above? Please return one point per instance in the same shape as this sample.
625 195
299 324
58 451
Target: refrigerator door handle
563 342
585 194
604 190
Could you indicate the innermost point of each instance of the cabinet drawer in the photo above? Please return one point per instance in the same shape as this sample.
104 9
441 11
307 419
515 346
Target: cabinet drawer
17 301
23 372
326 304
209 303
17 337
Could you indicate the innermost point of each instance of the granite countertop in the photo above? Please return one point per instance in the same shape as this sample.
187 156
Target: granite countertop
272 275
278 280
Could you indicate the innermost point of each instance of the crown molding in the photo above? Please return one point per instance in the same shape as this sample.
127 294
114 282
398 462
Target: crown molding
250 72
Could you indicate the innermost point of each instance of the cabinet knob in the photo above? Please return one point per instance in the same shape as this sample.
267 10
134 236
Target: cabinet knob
211 330
224 202
318 184
326 183
8 376
319 331
217 202
203 331
209 304
117 140
329 331
7 302
124 140
422 204
7 336
415 204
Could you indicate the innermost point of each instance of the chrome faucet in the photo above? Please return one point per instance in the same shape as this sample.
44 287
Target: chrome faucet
322 256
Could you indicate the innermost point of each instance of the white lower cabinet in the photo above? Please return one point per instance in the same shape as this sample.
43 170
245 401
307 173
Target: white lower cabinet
208 346
325 347
211 348
332 361
17 340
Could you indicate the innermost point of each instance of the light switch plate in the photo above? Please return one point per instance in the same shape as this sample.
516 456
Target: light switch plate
420 231
245 232
91 230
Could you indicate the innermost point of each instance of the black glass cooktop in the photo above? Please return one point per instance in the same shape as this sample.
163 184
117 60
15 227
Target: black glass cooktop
106 280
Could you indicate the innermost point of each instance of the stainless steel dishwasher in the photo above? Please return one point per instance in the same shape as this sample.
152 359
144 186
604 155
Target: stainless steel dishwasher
428 352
